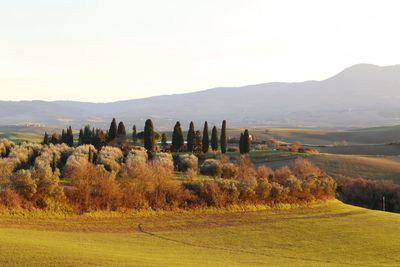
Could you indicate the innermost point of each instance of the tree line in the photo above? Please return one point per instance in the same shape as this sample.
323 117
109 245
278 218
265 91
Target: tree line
197 142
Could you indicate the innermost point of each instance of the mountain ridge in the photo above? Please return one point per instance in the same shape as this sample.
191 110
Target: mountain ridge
359 96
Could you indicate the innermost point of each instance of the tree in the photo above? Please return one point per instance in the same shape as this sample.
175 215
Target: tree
45 139
55 139
241 149
113 131
177 138
87 137
190 137
100 139
164 141
134 135
54 163
121 133
63 137
80 137
148 136
223 137
197 147
244 144
206 139
70 137
214 139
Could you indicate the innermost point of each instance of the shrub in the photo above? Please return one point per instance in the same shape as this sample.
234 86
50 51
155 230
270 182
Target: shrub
139 155
282 174
211 167
294 147
264 173
186 162
10 199
164 159
50 194
23 184
110 157
263 190
95 187
229 171
369 193
303 168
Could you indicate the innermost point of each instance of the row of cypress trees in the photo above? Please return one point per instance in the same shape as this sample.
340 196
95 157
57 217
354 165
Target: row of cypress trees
66 137
196 141
193 143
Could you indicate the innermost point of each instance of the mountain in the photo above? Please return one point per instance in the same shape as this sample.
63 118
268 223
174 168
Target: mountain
360 96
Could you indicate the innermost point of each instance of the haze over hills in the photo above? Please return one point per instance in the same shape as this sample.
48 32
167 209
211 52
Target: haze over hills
363 95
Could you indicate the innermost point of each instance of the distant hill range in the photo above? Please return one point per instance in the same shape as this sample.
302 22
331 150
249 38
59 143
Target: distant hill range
360 96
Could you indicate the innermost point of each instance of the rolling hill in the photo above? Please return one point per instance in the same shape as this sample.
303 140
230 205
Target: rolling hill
360 96
305 236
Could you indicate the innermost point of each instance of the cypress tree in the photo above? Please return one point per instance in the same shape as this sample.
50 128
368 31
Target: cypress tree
100 139
46 139
87 137
197 148
241 144
134 135
190 137
63 137
121 133
206 139
164 141
55 139
223 137
214 139
246 142
177 138
113 131
148 136
70 137
80 137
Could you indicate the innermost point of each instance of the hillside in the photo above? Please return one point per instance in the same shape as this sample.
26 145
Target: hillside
360 96
318 235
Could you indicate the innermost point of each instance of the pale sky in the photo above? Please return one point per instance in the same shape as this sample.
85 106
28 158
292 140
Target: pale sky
104 51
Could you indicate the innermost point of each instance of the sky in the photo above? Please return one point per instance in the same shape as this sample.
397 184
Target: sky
103 51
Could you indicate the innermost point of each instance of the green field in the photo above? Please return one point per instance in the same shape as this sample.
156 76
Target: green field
23 133
331 234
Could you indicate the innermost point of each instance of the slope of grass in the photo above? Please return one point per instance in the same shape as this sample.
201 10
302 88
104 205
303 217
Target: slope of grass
375 135
330 234
370 167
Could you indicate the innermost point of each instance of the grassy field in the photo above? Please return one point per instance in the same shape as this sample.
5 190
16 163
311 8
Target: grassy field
330 234
23 133
369 167
376 135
